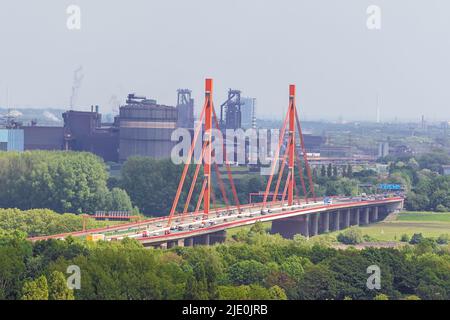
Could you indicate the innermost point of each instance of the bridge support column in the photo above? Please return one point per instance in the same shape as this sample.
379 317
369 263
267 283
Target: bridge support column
335 217
347 214
304 227
162 245
324 222
365 216
375 214
202 240
314 224
189 242
175 243
171 244
218 237
290 227
357 213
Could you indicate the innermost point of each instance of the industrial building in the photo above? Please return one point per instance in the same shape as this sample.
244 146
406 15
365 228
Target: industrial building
248 113
145 128
11 139
185 108
142 128
43 137
383 149
230 111
84 131
11 136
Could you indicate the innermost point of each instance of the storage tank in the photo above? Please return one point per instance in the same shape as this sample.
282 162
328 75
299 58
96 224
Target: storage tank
146 129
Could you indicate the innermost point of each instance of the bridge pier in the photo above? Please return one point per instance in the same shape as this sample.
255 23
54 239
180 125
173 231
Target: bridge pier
175 243
203 240
356 217
374 214
162 246
365 216
324 222
314 224
217 237
290 227
346 218
189 242
335 218
170 244
304 227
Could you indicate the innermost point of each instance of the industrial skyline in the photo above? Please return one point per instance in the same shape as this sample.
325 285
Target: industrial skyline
338 63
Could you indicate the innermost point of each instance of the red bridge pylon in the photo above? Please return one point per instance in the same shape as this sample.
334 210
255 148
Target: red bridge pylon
291 156
207 160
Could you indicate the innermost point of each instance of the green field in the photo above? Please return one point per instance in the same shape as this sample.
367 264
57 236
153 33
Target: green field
424 216
430 224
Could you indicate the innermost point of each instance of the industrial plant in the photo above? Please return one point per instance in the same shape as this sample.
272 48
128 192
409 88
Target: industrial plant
143 127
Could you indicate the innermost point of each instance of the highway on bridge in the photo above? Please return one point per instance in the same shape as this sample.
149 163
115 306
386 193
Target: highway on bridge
190 225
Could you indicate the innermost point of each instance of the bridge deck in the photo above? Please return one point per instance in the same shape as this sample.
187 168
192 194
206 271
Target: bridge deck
156 231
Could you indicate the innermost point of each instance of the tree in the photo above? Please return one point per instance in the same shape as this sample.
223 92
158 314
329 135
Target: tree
329 171
38 222
412 297
323 171
35 289
352 235
404 238
251 292
152 184
294 266
349 171
233 293
417 202
434 161
277 293
61 181
443 239
247 272
58 289
318 283
206 269
381 296
118 200
416 238
14 251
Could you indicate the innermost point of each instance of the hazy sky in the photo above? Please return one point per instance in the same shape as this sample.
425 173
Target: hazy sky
153 47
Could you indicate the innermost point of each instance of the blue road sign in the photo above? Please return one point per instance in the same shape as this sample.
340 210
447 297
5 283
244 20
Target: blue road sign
390 186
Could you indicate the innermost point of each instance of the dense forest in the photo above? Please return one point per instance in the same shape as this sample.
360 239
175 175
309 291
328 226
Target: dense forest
39 222
73 182
427 189
253 265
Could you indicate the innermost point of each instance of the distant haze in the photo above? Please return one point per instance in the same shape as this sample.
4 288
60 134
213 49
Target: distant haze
155 47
